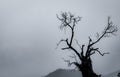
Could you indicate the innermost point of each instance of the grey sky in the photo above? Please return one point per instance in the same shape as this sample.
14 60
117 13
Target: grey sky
29 31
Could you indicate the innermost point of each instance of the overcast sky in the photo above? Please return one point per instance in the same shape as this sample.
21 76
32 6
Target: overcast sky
29 31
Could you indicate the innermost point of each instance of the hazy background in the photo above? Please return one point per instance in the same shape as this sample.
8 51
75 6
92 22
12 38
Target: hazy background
29 32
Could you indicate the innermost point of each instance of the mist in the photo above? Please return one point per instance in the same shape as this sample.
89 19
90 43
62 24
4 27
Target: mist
29 33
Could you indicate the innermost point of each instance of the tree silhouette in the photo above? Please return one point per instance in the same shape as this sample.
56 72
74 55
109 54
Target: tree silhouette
84 64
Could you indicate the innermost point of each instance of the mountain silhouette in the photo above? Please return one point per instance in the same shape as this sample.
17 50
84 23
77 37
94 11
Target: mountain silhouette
76 73
64 73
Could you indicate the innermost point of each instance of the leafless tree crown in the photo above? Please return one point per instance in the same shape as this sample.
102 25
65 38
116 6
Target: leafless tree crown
69 20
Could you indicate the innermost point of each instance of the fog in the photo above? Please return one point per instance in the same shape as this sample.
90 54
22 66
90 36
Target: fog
29 32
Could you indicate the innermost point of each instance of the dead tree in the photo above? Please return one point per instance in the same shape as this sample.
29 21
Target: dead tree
84 64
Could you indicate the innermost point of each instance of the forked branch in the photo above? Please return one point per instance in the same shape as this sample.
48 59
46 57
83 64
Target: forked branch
69 20
97 50
110 29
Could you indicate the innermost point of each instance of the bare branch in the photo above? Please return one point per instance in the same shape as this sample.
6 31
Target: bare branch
65 19
97 50
110 29
69 47
65 48
69 20
102 54
92 53
62 40
88 47
90 40
82 48
76 52
82 51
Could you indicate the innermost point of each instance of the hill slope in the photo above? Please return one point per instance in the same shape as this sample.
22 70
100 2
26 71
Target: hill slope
74 73
65 73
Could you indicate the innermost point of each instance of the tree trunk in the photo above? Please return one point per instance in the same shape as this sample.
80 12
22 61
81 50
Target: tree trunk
86 68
